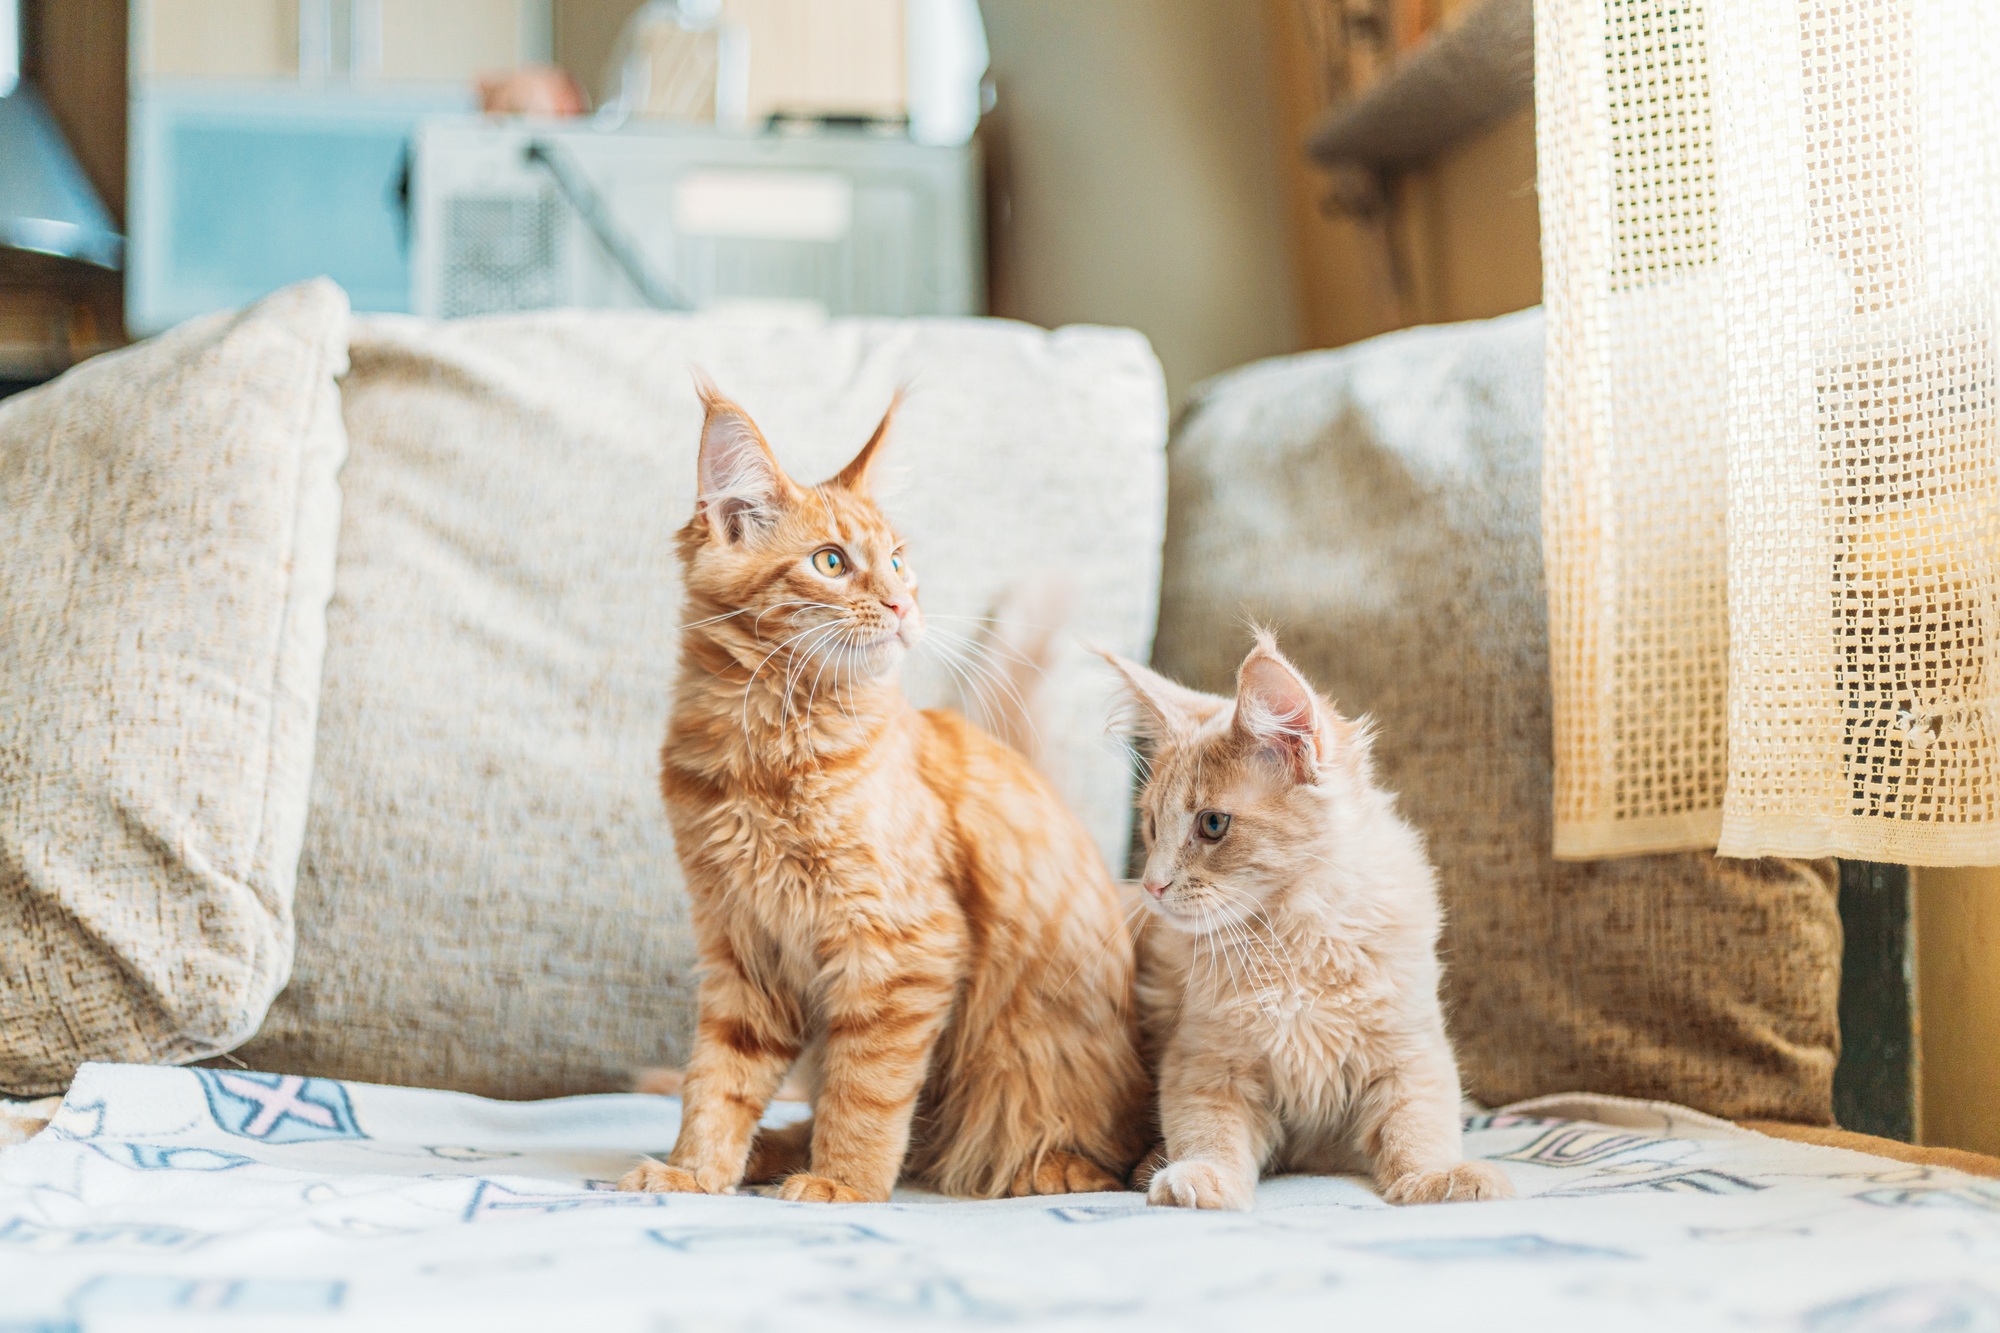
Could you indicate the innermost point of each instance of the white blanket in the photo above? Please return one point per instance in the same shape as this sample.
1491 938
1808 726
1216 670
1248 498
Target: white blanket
176 1197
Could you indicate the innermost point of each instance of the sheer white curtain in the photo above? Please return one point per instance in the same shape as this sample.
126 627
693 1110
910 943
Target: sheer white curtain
1772 498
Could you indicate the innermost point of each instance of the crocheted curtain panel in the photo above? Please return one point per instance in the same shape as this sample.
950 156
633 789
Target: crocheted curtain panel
1771 514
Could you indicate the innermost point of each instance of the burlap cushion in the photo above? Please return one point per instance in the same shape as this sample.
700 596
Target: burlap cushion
168 517
1380 506
489 898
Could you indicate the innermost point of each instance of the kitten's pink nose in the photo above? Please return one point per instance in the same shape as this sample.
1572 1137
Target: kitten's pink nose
900 606
1156 887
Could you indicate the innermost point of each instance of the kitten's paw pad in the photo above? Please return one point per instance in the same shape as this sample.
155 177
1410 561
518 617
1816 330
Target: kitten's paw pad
1198 1184
659 1178
1468 1182
1061 1172
806 1187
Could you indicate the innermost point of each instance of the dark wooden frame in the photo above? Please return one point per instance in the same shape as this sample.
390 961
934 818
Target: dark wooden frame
1875 1084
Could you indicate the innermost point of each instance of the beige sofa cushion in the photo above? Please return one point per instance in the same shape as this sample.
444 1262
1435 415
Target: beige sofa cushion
489 898
168 517
1380 507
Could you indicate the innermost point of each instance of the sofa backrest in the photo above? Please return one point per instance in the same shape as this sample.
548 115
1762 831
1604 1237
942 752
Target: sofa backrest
488 897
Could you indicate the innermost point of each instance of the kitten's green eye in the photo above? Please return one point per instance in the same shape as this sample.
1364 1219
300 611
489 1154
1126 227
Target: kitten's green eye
1211 825
829 561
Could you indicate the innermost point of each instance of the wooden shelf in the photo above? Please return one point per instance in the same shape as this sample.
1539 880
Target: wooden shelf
1467 77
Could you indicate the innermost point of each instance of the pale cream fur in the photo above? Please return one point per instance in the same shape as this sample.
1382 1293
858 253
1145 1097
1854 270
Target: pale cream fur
1289 972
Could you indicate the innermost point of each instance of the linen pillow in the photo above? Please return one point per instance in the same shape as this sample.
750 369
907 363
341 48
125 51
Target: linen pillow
168 516
489 898
1380 507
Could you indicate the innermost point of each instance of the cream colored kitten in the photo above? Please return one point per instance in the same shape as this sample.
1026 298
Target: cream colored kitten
1289 980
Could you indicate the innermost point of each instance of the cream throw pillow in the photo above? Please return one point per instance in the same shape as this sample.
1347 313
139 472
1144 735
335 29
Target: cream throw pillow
168 516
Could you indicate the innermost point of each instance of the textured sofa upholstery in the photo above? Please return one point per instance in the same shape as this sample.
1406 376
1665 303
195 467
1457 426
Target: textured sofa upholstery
488 895
1380 506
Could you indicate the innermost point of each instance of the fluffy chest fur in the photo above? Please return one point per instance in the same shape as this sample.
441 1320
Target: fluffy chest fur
1308 1017
845 859
1290 975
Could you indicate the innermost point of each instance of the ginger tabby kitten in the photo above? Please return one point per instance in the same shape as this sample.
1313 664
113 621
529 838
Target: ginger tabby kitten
891 900
1289 973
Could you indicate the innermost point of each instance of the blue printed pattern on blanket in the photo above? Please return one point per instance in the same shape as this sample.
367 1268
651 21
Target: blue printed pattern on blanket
245 1199
279 1108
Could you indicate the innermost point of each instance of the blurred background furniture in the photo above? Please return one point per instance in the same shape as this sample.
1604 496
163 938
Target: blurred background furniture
1126 179
327 145
58 244
519 215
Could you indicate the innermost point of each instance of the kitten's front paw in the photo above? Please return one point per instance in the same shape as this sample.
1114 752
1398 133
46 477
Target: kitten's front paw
1468 1182
805 1187
1197 1184
659 1178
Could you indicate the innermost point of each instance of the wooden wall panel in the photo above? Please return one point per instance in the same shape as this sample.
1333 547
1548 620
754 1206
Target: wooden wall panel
77 60
1347 291
76 57
1958 1016
1487 243
1463 240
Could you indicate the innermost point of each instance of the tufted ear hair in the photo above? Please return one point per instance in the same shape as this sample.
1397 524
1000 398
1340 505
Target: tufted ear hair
854 476
1278 713
742 486
1161 709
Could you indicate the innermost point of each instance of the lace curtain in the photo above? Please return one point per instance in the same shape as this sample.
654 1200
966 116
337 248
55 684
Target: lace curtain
1771 499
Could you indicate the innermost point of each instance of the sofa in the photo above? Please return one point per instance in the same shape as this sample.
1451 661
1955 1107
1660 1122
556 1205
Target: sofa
338 913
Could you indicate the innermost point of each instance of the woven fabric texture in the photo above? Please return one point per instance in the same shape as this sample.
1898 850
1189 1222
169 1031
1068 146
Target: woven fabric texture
1378 506
168 517
489 898
1770 238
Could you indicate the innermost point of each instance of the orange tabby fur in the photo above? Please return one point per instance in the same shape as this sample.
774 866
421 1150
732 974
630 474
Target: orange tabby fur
891 900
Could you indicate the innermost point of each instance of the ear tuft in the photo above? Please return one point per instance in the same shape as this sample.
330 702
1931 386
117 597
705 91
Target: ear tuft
1278 712
1161 709
854 477
740 480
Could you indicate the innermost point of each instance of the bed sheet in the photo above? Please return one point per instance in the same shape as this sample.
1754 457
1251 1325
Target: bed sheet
163 1197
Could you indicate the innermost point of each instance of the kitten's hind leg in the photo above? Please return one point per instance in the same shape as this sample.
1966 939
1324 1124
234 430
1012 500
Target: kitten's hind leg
777 1153
1058 1171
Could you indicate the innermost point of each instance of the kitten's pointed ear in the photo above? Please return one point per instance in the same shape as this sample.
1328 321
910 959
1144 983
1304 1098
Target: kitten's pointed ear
854 476
741 482
1278 712
1162 708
